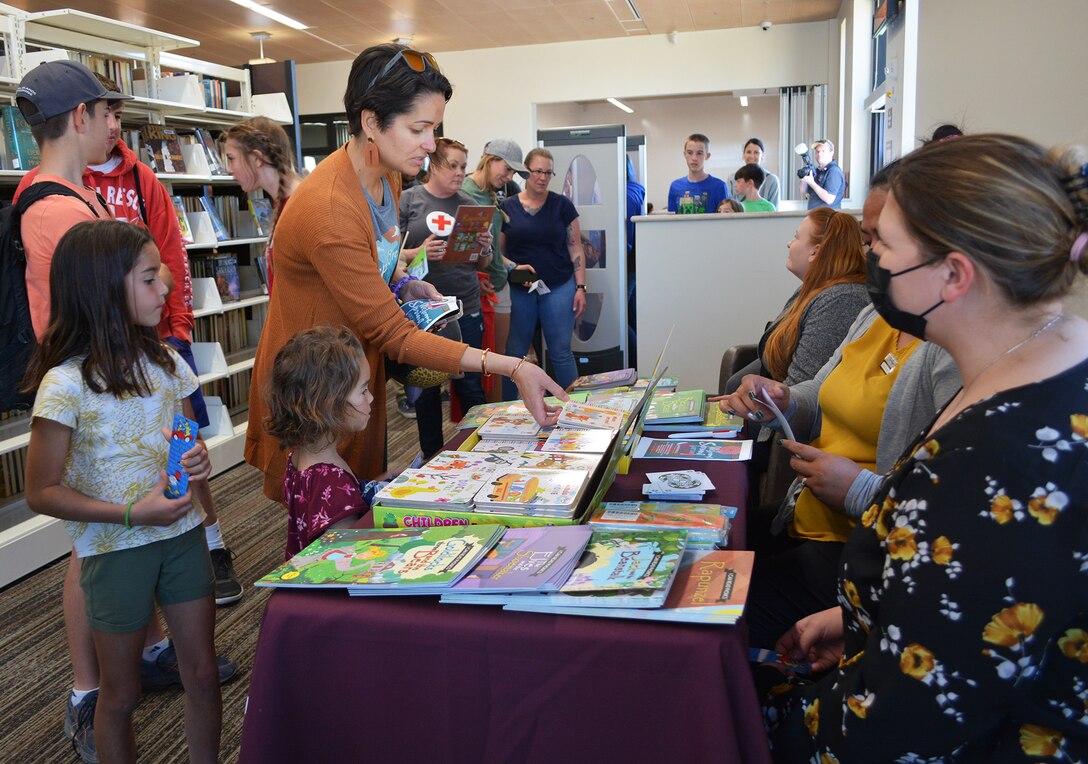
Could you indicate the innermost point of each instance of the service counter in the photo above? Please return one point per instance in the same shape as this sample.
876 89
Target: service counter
718 278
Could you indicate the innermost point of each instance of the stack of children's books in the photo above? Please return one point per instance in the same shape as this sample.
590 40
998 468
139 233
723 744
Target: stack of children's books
710 450
715 420
604 380
711 587
707 524
589 416
535 492
525 560
677 408
508 426
578 441
374 561
438 489
629 568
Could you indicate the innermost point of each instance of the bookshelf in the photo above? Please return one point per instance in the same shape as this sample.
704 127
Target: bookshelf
227 326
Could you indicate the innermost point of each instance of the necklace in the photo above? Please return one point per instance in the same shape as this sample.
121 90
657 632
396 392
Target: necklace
1014 348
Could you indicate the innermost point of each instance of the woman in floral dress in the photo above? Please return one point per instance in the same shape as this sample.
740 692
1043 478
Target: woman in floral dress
963 634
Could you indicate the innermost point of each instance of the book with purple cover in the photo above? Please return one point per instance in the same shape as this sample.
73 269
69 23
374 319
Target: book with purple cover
528 560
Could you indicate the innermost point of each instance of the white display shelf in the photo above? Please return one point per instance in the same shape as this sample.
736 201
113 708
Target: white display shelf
69 28
207 302
15 436
227 242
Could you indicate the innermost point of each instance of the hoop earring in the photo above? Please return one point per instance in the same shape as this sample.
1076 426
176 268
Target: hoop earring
371 157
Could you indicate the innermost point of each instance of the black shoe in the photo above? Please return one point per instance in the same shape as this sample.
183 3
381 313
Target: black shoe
228 589
163 672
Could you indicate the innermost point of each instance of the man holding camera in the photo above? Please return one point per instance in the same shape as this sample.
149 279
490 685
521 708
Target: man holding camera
825 184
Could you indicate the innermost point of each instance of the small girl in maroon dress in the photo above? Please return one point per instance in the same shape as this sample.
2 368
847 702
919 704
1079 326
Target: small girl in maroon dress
320 394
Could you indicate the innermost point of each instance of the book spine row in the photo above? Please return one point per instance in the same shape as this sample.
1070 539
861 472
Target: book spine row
215 93
121 72
12 472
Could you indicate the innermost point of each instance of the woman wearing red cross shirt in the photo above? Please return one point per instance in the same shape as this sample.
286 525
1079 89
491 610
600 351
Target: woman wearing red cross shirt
427 213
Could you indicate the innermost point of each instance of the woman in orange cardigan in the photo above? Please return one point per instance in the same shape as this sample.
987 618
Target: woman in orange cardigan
337 247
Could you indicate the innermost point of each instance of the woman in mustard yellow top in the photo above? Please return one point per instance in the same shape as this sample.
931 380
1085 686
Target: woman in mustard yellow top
878 390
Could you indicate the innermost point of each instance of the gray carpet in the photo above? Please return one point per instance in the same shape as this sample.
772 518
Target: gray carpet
34 670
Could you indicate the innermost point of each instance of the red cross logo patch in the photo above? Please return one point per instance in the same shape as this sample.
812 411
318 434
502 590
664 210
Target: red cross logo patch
440 223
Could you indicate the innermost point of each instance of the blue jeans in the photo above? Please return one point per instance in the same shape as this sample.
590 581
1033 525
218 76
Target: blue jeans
555 311
470 389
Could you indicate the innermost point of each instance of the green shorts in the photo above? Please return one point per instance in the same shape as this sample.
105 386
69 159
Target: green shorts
120 588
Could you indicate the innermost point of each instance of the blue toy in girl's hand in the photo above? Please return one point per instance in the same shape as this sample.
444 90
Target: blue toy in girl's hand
182 439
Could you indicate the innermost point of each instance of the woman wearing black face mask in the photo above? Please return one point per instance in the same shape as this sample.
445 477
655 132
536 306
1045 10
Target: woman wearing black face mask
963 631
859 412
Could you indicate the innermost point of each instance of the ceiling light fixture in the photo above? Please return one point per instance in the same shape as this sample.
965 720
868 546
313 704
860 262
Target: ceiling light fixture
269 13
620 105
260 37
405 40
744 101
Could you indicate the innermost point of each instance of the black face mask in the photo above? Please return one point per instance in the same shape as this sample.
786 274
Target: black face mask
879 281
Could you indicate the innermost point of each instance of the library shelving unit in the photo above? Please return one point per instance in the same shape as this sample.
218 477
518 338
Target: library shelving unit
168 92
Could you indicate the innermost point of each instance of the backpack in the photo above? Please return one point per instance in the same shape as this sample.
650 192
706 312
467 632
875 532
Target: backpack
17 339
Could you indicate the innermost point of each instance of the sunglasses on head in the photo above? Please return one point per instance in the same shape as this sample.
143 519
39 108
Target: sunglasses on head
416 61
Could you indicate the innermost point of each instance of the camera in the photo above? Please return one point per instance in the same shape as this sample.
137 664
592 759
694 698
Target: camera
801 150
766 25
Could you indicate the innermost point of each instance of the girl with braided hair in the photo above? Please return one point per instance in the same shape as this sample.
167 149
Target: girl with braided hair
259 155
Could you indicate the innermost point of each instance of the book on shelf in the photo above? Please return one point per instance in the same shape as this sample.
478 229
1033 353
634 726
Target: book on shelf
605 379
183 220
553 493
211 150
370 560
260 264
224 269
510 426
163 148
707 524
711 587
429 314
208 204
470 221
589 416
579 441
694 450
630 568
677 407
21 150
262 210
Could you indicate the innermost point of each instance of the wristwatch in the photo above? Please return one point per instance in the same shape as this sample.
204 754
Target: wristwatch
580 286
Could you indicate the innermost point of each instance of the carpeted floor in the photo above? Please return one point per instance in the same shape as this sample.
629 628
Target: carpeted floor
34 671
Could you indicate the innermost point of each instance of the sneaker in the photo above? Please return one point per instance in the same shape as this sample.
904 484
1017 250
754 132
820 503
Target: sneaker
163 671
405 409
228 589
79 727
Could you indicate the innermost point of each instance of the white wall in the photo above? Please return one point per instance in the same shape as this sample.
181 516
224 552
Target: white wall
1011 67
496 89
667 122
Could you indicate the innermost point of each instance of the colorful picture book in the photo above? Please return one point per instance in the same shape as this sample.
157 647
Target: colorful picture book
587 416
163 148
365 561
554 460
715 420
224 269
510 426
619 569
605 379
506 446
526 560
674 408
578 441
476 463
428 314
707 524
183 220
665 384
430 488
262 210
696 450
471 221
479 414
530 491
711 587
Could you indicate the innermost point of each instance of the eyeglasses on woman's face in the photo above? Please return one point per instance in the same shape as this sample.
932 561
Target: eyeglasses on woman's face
542 173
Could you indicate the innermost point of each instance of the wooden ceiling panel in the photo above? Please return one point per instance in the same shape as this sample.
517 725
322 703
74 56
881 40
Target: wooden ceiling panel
342 28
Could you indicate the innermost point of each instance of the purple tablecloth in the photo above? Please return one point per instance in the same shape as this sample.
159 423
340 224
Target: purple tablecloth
408 680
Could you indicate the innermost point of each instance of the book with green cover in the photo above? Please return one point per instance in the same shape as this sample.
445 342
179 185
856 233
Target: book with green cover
22 149
375 558
679 407
715 420
707 524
